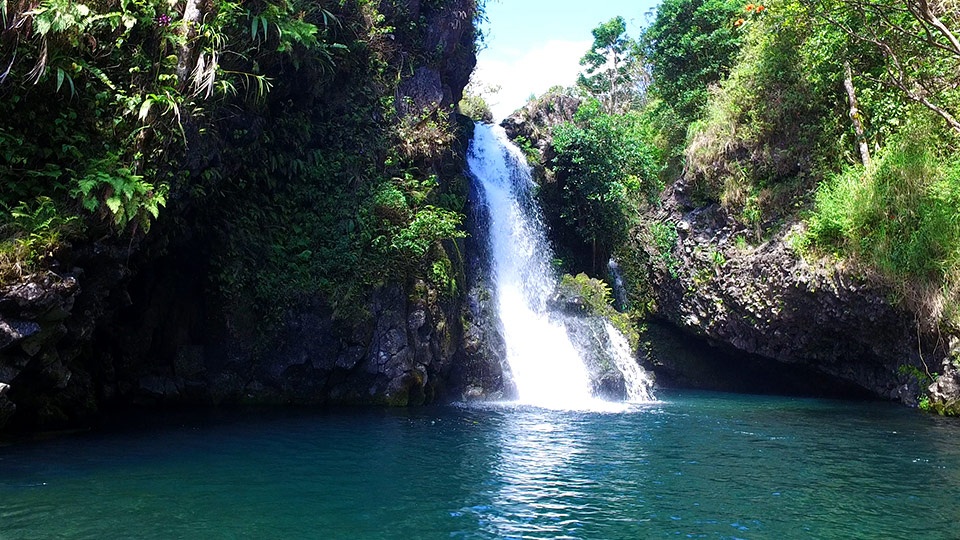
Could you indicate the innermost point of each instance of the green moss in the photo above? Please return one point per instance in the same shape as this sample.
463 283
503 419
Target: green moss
596 297
941 408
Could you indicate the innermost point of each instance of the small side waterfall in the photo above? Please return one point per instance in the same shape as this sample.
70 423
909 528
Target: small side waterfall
636 380
547 368
619 292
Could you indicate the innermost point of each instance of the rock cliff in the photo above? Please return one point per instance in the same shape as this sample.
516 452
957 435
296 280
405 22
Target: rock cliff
765 300
118 322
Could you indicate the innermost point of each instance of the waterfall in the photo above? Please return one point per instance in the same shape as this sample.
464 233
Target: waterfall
636 380
619 291
547 369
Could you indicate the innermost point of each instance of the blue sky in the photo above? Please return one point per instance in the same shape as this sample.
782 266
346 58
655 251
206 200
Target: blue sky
532 45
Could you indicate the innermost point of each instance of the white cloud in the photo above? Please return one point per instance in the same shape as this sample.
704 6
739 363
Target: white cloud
553 63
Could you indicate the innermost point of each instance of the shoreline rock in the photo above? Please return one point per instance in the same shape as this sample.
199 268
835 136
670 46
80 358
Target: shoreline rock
767 301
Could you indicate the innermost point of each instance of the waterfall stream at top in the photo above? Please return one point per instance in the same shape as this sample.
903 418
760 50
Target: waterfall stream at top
547 366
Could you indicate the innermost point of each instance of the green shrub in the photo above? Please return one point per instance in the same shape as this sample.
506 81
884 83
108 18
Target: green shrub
900 217
691 45
665 240
475 107
597 298
30 233
606 168
775 123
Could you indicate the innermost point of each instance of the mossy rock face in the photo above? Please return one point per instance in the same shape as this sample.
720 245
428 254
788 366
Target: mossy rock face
946 409
585 296
410 392
944 394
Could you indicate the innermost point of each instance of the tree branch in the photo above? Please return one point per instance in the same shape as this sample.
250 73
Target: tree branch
925 14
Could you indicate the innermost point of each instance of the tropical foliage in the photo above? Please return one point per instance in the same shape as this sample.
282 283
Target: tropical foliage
605 168
613 67
690 45
837 114
267 133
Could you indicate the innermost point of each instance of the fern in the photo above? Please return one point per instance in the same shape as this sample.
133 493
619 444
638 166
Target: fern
34 231
122 196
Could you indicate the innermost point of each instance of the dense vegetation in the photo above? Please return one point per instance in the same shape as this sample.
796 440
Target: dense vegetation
823 112
604 170
266 134
841 110
839 115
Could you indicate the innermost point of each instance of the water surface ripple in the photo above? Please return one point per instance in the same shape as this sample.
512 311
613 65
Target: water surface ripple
696 465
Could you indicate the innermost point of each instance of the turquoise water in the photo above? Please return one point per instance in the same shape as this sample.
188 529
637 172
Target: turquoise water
696 465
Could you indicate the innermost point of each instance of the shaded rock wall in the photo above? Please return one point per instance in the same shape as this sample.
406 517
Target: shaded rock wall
398 357
49 368
449 46
765 300
33 319
683 361
481 371
119 322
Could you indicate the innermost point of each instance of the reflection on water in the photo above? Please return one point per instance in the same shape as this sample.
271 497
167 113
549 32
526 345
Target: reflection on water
540 486
556 476
697 466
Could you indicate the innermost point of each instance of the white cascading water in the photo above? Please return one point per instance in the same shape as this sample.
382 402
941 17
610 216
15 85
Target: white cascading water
547 368
636 380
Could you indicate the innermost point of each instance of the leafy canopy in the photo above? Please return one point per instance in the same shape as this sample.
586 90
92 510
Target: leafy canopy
610 65
691 45
605 167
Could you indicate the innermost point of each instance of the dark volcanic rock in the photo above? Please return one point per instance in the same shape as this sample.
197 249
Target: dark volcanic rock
535 120
33 359
424 90
481 370
448 36
589 336
944 393
767 301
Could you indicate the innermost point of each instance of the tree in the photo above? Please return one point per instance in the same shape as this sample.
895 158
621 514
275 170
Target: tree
474 103
611 66
604 167
691 45
922 52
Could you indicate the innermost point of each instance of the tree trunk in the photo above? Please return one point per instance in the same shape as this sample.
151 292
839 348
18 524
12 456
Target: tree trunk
186 59
855 114
593 263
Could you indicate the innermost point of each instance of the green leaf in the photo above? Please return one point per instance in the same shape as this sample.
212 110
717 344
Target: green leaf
41 24
113 203
63 75
145 108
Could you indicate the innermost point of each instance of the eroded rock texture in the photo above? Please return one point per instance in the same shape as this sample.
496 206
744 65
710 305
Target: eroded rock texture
767 301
